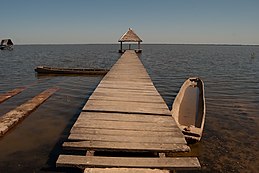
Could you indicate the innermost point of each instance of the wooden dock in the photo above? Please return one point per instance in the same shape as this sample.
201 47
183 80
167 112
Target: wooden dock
126 114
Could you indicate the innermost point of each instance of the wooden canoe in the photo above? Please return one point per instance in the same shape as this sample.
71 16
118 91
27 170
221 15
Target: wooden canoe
189 109
55 70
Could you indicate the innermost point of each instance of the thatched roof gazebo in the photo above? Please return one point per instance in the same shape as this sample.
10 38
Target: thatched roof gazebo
6 44
130 36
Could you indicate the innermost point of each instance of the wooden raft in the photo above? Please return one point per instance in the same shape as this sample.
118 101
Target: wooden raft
126 113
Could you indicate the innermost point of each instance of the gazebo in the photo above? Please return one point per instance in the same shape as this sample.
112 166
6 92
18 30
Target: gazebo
6 44
130 36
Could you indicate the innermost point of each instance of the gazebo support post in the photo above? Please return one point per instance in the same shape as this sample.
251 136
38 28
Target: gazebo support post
120 50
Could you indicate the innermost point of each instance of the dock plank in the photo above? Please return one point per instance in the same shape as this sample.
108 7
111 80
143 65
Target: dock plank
127 83
177 163
123 132
126 104
125 146
123 93
119 96
124 126
141 139
124 170
127 121
127 117
127 109
128 90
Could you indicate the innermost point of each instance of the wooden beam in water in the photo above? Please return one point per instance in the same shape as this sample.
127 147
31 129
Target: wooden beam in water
10 119
9 94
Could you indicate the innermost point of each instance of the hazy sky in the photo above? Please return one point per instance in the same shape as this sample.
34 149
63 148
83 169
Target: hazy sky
104 21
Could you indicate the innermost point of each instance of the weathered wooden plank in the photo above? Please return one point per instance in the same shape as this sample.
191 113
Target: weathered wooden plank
126 123
127 109
123 93
127 83
128 66
124 170
128 73
13 117
102 88
125 146
120 138
9 94
123 132
124 126
121 75
127 104
150 98
156 124
106 89
176 163
127 117
130 98
128 79
121 86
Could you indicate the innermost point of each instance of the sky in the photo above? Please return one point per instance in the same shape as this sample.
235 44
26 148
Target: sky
155 21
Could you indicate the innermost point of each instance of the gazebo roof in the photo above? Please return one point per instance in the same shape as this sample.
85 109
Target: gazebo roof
6 42
130 36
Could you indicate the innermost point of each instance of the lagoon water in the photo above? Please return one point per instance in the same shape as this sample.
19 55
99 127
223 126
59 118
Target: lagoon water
230 141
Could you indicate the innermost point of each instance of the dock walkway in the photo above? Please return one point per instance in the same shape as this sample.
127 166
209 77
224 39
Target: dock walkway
126 113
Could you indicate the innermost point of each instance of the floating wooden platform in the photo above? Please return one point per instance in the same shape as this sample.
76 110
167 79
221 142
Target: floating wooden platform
126 113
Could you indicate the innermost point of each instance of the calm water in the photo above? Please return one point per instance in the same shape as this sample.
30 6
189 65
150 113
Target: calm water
231 77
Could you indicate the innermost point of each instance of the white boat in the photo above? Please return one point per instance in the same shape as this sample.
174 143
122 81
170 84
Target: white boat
189 109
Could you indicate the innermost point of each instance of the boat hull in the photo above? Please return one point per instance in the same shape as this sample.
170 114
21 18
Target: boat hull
189 109
52 70
6 47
